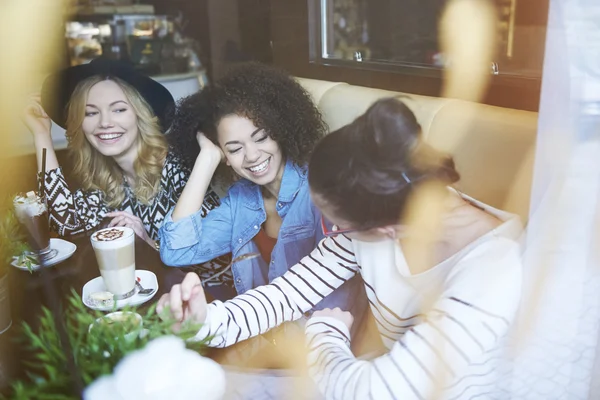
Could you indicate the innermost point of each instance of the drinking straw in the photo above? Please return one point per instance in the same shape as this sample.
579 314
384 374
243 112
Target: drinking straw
43 178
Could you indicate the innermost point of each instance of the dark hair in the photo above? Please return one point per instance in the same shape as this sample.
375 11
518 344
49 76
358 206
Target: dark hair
267 96
367 169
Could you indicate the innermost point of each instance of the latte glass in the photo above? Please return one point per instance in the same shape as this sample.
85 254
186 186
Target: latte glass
115 253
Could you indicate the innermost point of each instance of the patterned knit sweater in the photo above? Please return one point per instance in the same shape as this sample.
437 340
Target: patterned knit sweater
72 212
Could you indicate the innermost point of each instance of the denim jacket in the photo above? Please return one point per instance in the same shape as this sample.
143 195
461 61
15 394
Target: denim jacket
231 227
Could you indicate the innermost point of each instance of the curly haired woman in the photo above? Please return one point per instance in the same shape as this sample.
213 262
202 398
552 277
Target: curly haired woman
114 117
263 125
444 296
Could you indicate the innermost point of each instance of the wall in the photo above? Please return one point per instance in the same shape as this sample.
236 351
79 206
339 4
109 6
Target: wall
278 32
19 172
224 32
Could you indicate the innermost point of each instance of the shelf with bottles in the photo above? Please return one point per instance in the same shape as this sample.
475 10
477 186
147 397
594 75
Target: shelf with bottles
91 9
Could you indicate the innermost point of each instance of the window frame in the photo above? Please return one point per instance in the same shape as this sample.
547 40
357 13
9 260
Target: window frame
318 35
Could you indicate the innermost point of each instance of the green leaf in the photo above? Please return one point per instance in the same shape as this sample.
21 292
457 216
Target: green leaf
96 352
12 240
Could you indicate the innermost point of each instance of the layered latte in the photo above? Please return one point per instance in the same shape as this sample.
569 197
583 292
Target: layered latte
115 253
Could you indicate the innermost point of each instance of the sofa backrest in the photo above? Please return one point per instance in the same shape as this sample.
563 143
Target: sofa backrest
493 147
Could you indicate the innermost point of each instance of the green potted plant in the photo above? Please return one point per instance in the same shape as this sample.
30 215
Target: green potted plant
11 244
97 346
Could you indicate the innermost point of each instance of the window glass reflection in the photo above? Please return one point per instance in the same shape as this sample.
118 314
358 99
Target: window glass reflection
405 32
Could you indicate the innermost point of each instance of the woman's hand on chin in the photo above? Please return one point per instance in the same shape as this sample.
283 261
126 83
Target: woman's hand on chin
123 218
206 164
209 150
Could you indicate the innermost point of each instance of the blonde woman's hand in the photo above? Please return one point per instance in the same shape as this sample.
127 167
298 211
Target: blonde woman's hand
123 218
35 118
336 313
185 302
209 149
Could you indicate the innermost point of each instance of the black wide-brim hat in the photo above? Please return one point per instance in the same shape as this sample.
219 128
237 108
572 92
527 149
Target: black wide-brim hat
58 88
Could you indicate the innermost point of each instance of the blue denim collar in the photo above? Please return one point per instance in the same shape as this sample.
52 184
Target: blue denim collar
293 178
291 182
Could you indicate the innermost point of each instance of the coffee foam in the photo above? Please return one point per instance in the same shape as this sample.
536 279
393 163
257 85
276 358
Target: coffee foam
28 207
127 237
108 235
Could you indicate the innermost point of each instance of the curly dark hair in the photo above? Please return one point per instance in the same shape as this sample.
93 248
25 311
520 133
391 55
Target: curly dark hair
269 97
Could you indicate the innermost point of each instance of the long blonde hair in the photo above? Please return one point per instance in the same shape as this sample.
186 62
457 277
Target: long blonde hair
97 171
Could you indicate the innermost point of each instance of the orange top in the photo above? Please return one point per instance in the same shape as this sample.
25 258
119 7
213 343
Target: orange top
265 244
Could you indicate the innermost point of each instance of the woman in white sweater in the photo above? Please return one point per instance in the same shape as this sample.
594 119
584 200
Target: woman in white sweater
442 317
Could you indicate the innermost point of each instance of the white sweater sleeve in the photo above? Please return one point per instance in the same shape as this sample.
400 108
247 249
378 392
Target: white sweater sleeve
285 299
476 308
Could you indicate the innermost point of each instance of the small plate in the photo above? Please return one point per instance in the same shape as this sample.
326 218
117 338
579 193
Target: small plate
146 278
64 250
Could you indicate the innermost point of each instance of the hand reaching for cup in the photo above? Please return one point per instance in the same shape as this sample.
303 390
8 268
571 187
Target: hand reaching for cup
336 313
185 302
123 218
35 118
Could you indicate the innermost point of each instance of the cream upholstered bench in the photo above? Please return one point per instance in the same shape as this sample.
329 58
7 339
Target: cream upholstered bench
493 147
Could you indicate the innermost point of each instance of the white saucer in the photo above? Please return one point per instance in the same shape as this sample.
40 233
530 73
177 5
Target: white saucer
146 278
64 250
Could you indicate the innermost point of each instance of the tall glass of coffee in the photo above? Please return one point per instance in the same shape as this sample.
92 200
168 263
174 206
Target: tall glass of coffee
32 213
115 253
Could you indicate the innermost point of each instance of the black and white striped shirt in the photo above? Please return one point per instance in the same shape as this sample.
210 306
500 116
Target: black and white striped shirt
443 327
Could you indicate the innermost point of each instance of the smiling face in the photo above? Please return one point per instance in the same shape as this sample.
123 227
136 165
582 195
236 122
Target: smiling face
110 122
250 151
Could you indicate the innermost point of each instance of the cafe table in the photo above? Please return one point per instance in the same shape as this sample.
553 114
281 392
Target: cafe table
258 368
27 289
28 293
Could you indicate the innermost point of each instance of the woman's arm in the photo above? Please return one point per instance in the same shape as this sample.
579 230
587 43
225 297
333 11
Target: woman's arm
198 184
39 125
285 299
197 238
43 141
68 213
470 318
71 213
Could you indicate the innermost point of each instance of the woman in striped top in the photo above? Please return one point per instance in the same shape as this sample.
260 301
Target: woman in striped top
442 317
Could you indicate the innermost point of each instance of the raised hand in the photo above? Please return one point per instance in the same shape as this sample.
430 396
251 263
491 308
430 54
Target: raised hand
206 164
39 124
209 149
35 118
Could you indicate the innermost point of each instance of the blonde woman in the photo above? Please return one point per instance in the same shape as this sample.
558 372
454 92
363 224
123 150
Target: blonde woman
114 118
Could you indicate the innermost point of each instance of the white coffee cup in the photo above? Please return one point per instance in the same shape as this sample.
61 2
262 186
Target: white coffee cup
115 253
